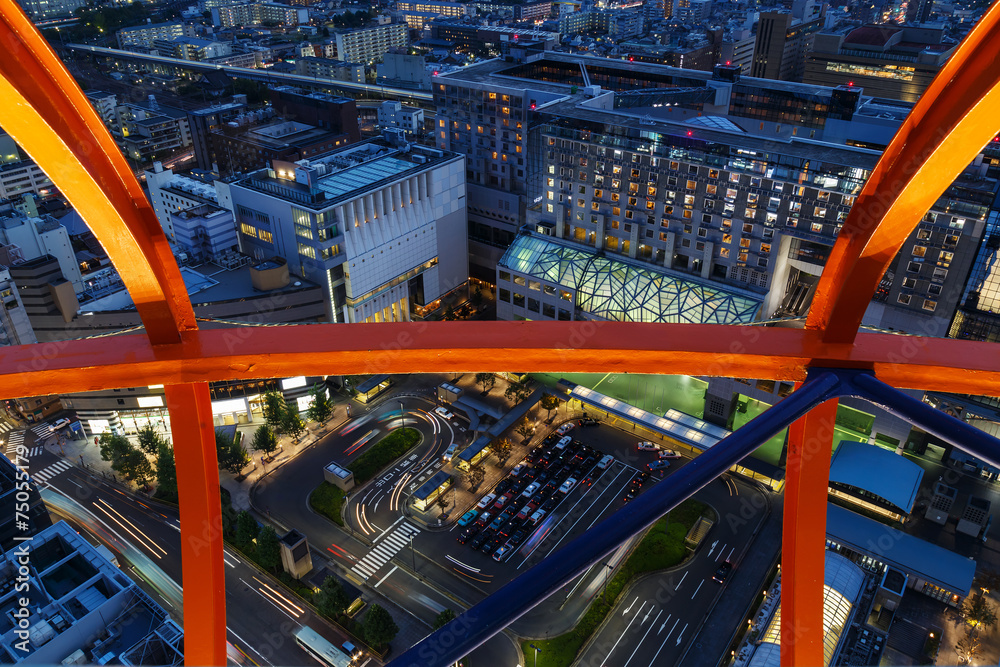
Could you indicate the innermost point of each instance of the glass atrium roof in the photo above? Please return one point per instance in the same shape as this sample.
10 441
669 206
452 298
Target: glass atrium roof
363 176
616 290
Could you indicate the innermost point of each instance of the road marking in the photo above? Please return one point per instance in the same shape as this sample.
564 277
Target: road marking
730 554
681 634
379 555
721 549
643 637
681 581
394 568
672 628
665 621
632 605
664 643
623 633
697 589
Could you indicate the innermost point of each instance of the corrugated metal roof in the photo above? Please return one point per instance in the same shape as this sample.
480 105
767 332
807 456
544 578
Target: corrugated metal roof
878 471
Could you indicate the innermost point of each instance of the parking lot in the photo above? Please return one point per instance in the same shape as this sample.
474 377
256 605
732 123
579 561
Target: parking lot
563 487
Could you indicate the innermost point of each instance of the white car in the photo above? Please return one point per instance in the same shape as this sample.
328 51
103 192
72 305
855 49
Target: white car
60 423
486 500
647 446
444 414
669 454
568 485
565 428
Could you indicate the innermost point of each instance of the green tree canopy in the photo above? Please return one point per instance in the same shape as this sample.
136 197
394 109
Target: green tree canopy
234 457
379 628
268 549
149 439
246 529
549 403
444 618
291 422
166 472
322 406
486 381
331 599
274 408
114 447
264 440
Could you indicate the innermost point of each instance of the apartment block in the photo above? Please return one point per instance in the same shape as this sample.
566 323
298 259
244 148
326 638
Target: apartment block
367 44
146 35
256 13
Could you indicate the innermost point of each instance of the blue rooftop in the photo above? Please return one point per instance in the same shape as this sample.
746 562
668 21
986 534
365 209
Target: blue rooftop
878 471
363 176
897 549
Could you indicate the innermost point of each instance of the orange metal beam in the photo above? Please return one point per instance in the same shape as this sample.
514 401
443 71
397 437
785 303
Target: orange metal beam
201 524
803 536
49 116
331 349
947 128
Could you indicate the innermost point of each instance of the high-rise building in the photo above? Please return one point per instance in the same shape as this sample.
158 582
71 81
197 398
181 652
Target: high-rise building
47 9
885 60
256 13
919 11
738 185
380 225
146 35
15 482
202 122
783 39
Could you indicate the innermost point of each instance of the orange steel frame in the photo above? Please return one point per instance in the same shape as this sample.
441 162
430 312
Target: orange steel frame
48 115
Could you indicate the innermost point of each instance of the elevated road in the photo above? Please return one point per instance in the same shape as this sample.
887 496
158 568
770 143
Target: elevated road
417 98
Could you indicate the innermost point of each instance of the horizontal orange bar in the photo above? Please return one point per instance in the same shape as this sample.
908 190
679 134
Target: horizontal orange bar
334 349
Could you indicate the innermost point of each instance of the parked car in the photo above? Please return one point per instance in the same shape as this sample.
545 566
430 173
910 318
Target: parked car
483 519
468 517
568 485
605 461
466 535
486 500
588 421
500 553
588 480
630 494
502 500
503 486
444 414
565 428
532 488
722 573
515 541
669 454
478 540
647 446
659 464
517 470
536 517
60 423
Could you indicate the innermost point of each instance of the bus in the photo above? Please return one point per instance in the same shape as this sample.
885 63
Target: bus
320 649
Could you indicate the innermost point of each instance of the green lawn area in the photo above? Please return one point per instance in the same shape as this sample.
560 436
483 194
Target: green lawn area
662 547
653 393
327 499
382 453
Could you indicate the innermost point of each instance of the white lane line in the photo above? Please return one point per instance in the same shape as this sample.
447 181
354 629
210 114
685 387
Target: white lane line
623 633
394 568
697 589
643 638
721 549
681 581
672 628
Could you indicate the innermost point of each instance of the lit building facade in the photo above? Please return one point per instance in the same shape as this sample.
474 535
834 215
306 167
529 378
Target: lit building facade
367 44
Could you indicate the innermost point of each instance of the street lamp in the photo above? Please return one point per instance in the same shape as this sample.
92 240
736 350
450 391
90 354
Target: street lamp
401 410
536 654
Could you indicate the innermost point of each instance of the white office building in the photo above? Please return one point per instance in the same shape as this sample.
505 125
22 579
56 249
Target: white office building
382 225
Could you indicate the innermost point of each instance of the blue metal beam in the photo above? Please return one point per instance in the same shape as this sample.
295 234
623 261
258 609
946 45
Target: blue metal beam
940 424
464 634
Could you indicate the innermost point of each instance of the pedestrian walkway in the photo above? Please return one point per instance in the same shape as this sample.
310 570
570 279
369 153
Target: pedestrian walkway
4 427
385 549
14 440
51 471
42 431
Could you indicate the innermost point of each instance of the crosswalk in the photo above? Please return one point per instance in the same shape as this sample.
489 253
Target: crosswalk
386 548
5 426
15 439
41 430
51 471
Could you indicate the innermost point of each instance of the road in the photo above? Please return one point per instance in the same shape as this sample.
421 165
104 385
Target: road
146 538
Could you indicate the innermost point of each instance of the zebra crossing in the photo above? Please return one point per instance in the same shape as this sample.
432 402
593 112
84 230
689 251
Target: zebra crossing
41 430
382 552
51 471
5 426
15 439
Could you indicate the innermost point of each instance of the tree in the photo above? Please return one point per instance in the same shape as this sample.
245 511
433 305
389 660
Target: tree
476 298
475 475
264 440
331 599
134 466
525 428
246 529
968 647
379 628
234 457
516 392
166 472
223 441
501 448
322 407
291 422
486 381
549 403
978 612
149 439
444 618
268 549
442 502
274 408
114 447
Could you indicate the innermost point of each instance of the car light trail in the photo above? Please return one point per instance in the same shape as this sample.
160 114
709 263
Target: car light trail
361 441
148 542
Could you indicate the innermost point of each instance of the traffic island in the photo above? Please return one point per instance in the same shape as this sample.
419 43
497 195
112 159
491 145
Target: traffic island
661 548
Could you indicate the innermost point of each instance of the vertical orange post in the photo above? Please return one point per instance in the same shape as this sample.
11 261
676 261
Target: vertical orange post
201 524
803 538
